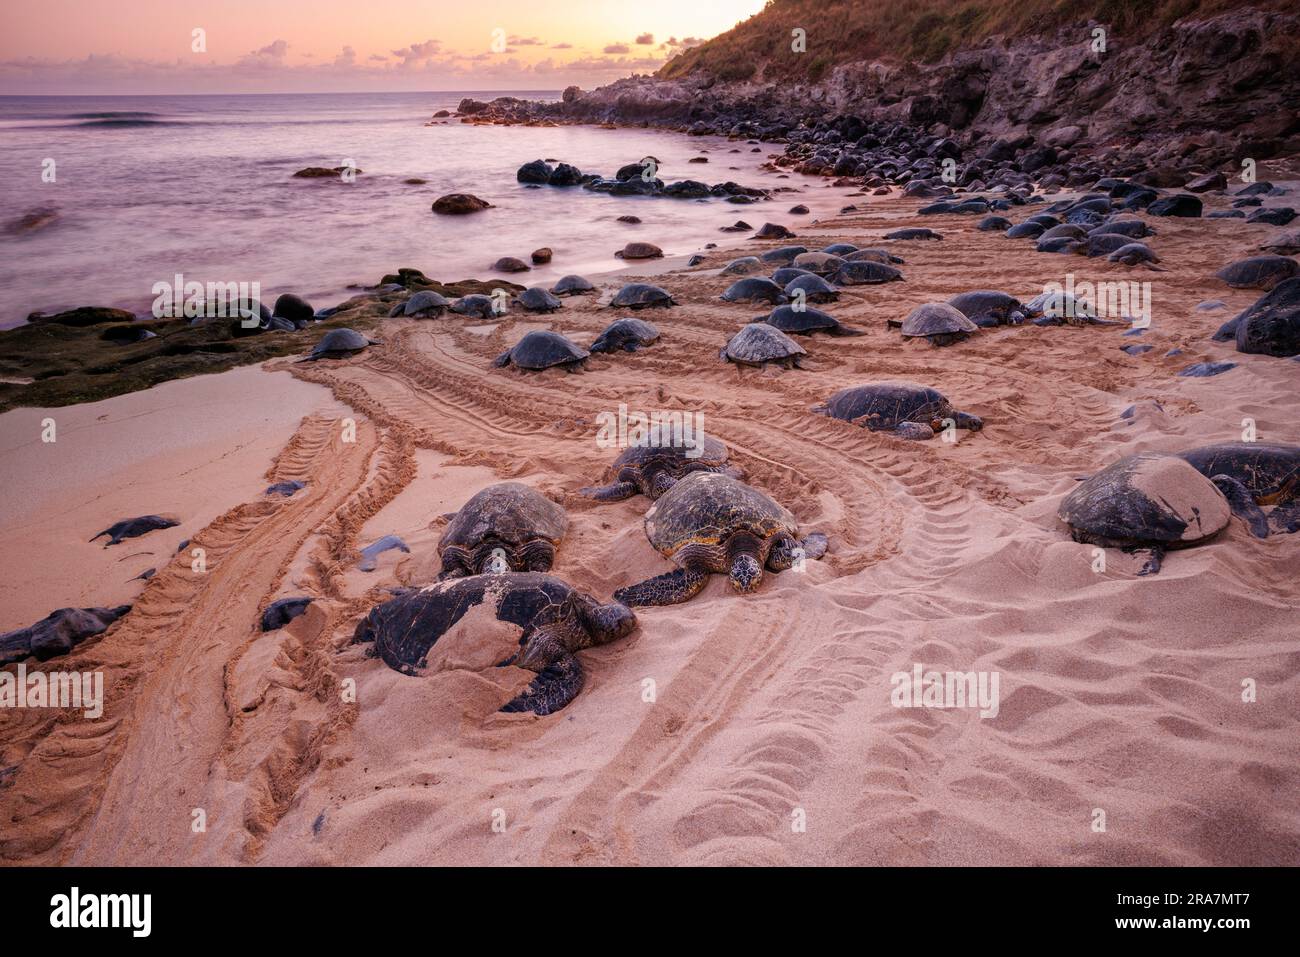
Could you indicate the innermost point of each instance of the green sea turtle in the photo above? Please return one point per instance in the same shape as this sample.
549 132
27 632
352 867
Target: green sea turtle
641 295
1263 474
505 527
135 527
909 410
806 321
652 470
913 233
640 251
339 344
537 299
712 523
1149 502
875 256
820 263
1134 254
572 286
742 266
988 307
1258 272
785 255
1283 244
865 272
477 304
939 322
424 304
813 289
1271 325
555 620
57 633
758 344
626 335
754 288
542 349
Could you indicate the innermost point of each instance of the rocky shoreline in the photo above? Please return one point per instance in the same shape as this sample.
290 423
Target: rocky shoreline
1047 105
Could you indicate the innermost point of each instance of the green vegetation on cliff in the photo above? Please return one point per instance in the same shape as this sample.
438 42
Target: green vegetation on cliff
840 31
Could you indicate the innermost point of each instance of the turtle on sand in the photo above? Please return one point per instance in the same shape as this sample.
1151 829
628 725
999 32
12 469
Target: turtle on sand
758 344
712 523
913 233
425 304
939 322
742 266
1271 325
505 527
1284 244
1252 474
370 554
57 633
813 289
627 335
339 344
572 286
865 272
477 304
541 349
1258 272
804 322
282 611
988 307
652 469
641 295
1149 502
1134 254
537 299
907 409
556 620
135 527
754 288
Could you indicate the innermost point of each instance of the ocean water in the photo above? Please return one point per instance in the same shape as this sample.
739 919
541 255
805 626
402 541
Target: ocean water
148 187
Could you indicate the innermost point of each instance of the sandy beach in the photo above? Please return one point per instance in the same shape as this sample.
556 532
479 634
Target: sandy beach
731 729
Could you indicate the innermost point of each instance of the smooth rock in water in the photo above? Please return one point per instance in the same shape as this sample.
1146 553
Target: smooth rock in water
510 264
640 251
459 204
773 231
541 256
537 171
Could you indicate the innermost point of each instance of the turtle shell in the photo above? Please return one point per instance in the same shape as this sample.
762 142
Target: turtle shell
537 299
823 264
840 249
936 319
510 512
1131 254
988 307
814 288
339 342
1026 230
1271 326
707 508
423 304
637 460
639 295
742 266
1258 272
863 272
475 304
1146 499
919 232
405 628
883 405
1103 244
625 333
1064 231
874 255
1132 228
758 343
799 321
1269 472
541 349
572 286
753 288
1285 244
784 255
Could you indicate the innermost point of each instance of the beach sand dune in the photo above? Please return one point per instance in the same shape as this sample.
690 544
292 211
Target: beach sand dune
731 729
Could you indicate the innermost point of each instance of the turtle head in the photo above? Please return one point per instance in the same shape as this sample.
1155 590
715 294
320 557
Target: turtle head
746 572
609 622
967 421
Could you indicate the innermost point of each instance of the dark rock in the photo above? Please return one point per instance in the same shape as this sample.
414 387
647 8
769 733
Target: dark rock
57 633
459 204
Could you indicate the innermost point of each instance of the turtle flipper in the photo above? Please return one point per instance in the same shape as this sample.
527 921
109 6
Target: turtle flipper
1242 504
555 686
1154 557
670 588
842 330
502 360
610 493
1285 518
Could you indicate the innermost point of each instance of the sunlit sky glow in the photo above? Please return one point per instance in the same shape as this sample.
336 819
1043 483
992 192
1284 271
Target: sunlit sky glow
144 46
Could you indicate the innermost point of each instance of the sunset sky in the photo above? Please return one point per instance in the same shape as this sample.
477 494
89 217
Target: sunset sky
144 46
